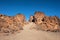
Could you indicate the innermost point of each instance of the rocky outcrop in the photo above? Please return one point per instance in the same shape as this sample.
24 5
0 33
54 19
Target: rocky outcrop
11 24
20 19
38 16
48 23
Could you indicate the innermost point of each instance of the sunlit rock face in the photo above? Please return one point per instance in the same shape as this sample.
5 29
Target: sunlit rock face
48 23
38 16
20 19
11 24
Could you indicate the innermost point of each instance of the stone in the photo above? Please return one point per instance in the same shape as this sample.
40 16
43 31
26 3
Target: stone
47 23
38 17
11 24
19 18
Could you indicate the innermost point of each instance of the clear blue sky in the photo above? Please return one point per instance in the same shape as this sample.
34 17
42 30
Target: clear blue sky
28 7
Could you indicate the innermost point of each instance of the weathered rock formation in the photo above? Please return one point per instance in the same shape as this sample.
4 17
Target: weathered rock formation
31 19
11 24
48 23
20 19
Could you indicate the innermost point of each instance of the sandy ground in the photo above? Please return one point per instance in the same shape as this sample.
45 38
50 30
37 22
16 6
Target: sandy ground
28 34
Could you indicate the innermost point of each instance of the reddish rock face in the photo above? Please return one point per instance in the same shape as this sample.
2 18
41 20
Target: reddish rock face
46 22
12 24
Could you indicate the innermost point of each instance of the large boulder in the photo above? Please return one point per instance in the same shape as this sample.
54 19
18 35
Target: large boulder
38 16
20 19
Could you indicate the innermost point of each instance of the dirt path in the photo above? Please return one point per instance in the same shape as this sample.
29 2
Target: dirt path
28 34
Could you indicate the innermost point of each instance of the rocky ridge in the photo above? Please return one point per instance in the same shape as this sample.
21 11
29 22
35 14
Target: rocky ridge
47 23
11 24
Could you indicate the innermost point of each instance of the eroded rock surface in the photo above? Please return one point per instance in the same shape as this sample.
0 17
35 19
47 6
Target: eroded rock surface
48 23
11 24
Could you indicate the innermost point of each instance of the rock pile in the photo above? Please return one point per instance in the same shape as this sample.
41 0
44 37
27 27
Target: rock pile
11 24
47 23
